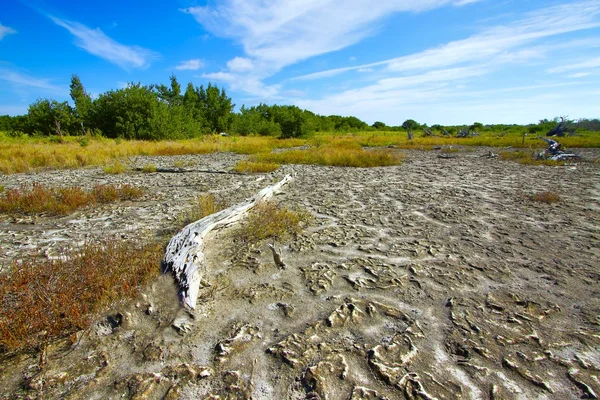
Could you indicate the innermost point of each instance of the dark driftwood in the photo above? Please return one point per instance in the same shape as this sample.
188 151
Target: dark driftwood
183 171
184 256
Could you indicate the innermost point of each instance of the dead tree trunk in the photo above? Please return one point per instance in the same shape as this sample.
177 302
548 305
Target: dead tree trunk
184 256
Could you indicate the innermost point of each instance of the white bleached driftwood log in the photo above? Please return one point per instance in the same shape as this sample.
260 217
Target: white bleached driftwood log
184 256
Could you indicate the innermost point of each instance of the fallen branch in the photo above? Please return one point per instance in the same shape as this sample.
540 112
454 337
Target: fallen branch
184 255
184 170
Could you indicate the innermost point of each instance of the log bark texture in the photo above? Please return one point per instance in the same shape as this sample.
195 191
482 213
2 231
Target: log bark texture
184 256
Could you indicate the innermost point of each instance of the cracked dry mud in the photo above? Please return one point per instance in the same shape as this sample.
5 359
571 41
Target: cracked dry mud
439 278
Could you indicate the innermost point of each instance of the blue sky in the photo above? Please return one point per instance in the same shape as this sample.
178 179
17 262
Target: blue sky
435 61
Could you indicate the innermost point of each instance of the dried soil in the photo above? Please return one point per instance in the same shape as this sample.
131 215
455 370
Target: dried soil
439 278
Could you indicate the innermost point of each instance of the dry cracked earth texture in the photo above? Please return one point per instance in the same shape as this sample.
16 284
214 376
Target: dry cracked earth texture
440 278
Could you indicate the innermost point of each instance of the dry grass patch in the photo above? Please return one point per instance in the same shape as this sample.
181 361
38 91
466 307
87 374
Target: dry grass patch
349 155
149 168
115 168
255 166
269 220
546 197
61 201
45 300
204 206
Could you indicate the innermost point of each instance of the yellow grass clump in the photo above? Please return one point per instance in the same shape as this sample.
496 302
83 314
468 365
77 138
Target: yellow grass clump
246 166
546 197
349 155
269 220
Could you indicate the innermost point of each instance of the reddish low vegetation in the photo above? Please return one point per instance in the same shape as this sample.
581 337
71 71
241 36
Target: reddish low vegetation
61 201
41 300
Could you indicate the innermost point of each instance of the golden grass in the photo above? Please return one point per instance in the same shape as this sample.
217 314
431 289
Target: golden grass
204 205
115 168
27 154
24 155
246 166
42 300
149 168
546 197
269 220
348 155
61 201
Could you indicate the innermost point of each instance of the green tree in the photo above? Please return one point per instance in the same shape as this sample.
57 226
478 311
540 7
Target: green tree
410 125
82 101
47 117
126 112
216 107
379 125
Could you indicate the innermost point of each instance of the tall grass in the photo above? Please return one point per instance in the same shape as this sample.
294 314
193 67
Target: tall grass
45 300
349 155
26 154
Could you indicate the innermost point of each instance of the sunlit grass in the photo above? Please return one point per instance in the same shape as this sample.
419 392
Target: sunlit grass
251 167
349 155
26 154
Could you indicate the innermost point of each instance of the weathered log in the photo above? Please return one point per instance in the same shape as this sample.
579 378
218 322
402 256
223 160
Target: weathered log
184 170
184 255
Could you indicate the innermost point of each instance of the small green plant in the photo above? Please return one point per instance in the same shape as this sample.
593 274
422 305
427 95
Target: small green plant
546 197
269 220
83 141
115 169
255 166
149 168
179 163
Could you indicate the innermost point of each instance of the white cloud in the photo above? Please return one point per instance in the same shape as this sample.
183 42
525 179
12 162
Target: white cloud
586 64
277 34
240 64
578 75
5 30
498 41
95 42
23 80
283 33
190 65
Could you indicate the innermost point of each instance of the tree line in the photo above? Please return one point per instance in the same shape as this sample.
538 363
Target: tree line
157 112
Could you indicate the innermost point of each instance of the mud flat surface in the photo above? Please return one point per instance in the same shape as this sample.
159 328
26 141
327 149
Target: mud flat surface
439 278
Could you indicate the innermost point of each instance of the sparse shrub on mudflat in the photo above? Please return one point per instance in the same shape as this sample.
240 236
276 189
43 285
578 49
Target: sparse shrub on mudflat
204 205
149 168
42 300
115 169
546 197
61 201
255 166
269 220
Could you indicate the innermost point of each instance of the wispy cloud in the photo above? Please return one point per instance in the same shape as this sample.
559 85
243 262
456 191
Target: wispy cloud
190 65
277 34
5 30
498 41
95 42
23 80
591 63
